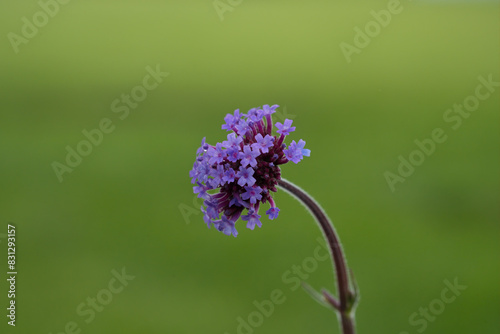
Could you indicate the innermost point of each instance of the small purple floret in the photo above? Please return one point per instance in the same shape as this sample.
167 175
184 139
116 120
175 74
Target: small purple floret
255 114
246 176
272 213
263 143
267 110
252 194
231 120
248 156
216 154
233 154
286 128
253 219
229 176
232 141
226 226
296 152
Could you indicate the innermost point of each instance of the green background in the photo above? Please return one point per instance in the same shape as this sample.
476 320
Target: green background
130 203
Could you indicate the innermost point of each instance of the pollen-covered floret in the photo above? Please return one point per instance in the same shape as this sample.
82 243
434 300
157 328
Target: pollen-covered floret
241 172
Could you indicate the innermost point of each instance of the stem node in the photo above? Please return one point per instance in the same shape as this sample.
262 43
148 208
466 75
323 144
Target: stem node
347 298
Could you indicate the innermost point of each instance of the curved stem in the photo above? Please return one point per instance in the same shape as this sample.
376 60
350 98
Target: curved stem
346 298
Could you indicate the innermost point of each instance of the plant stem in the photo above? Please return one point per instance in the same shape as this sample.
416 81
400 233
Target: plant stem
346 298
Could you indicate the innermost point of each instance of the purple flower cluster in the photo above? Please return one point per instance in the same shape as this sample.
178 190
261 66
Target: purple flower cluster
245 169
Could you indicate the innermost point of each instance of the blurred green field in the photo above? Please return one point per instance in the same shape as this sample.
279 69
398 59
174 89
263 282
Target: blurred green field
126 203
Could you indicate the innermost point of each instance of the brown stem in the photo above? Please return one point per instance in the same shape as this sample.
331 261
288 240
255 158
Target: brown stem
346 298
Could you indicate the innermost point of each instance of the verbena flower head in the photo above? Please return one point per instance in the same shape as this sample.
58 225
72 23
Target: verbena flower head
244 169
